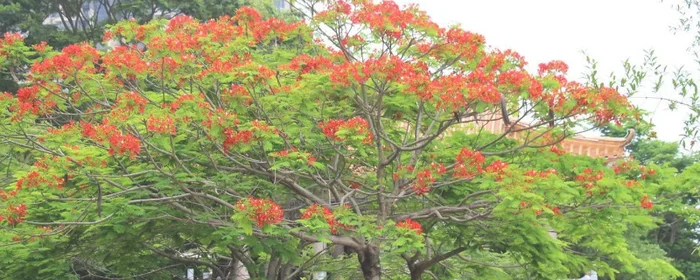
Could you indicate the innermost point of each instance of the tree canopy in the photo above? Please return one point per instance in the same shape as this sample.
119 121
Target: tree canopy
236 144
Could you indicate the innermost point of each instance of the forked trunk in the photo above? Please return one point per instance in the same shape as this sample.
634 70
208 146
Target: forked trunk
369 262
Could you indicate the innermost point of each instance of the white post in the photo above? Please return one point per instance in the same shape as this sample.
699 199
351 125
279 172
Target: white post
318 247
190 274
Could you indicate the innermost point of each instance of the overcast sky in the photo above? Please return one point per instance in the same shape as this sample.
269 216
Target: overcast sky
608 30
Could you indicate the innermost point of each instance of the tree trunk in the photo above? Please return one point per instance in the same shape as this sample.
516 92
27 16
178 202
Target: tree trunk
369 262
416 274
415 269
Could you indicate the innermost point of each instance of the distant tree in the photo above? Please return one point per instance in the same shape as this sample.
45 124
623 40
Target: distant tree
676 238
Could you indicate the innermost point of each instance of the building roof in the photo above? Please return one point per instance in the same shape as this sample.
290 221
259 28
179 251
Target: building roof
610 148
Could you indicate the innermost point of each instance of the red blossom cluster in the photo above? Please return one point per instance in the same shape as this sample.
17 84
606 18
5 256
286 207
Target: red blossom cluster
463 43
626 166
411 225
497 59
496 73
195 100
515 81
119 142
555 209
262 211
221 30
439 169
357 125
41 47
388 68
556 150
496 167
646 172
72 59
32 100
588 178
272 28
646 203
235 92
8 40
468 163
249 22
162 125
424 179
325 213
598 102
15 214
220 118
41 169
233 137
40 176
555 67
132 100
621 168
124 144
385 17
310 159
450 91
125 60
542 174
304 64
355 185
168 54
219 64
97 133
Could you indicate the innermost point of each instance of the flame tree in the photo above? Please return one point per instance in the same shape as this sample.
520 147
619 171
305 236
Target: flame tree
235 144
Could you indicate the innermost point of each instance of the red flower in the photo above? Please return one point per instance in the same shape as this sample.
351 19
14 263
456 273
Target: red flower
9 39
646 203
411 225
311 160
557 150
468 163
325 213
305 64
555 66
233 137
262 211
424 179
125 60
496 167
161 125
131 100
439 169
357 125
16 214
124 144
73 58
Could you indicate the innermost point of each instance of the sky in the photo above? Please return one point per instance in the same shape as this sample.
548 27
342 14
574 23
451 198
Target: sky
610 31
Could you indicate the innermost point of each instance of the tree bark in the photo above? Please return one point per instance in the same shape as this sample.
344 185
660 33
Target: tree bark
417 268
368 256
417 274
